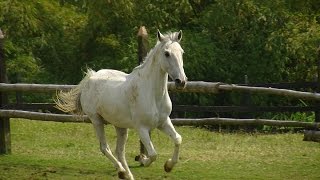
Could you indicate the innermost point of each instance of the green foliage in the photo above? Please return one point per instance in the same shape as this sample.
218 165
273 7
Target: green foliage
109 40
45 35
224 40
258 39
25 69
270 41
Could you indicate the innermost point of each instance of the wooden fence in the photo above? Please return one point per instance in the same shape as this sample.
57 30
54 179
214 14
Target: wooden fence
195 86
244 104
198 87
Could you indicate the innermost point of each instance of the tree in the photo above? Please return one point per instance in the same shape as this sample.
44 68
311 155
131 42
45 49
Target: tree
42 40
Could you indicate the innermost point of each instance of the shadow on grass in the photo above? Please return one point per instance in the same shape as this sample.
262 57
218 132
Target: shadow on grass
38 169
35 171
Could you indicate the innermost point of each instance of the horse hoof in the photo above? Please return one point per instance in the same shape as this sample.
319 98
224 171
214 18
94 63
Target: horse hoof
141 158
122 175
168 166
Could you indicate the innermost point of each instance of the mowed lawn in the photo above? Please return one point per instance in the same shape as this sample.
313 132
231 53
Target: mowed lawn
49 150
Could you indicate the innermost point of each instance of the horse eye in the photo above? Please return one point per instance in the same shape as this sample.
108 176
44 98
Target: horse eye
167 54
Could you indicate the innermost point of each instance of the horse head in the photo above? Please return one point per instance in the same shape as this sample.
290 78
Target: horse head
171 59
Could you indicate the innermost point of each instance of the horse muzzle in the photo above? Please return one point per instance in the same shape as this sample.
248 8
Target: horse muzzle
180 84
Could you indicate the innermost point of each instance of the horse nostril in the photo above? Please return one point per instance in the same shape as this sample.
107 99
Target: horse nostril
178 81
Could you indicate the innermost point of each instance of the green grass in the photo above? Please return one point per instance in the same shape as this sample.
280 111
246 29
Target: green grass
48 150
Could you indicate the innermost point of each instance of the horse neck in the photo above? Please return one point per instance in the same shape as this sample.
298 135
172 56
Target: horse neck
153 76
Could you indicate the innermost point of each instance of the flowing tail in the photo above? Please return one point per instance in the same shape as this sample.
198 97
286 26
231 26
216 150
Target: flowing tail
69 101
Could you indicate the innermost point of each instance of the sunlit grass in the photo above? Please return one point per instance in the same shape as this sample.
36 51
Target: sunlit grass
48 150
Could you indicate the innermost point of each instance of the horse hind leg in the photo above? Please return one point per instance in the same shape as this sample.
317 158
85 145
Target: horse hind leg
98 125
122 136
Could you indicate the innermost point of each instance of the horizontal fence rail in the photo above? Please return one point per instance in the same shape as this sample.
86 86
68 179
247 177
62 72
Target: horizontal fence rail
192 86
195 108
232 121
50 107
20 87
43 116
176 121
286 85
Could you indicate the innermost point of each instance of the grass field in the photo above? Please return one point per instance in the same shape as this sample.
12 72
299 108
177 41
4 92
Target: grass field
48 150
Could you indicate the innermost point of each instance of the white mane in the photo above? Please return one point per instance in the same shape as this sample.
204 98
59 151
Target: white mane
169 37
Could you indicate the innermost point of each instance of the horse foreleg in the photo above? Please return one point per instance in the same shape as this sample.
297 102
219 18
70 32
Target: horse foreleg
168 129
151 153
122 136
104 147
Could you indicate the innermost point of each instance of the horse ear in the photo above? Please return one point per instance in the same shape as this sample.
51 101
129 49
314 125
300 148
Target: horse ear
160 36
179 36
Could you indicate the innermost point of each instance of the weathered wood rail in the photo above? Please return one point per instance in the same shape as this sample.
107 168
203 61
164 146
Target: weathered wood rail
193 86
177 121
49 107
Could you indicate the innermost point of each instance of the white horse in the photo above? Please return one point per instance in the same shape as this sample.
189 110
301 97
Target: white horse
138 100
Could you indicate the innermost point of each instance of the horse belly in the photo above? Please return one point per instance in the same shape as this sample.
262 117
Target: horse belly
118 119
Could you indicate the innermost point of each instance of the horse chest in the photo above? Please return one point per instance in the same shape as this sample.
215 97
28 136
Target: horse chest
153 114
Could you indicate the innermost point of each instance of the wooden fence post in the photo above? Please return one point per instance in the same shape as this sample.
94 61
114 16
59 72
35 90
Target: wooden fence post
246 98
143 48
5 139
143 44
246 101
19 98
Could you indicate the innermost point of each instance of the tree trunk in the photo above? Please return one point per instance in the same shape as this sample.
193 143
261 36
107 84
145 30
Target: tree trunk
5 138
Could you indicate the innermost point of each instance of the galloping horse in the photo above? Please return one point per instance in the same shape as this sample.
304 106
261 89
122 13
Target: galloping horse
138 100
